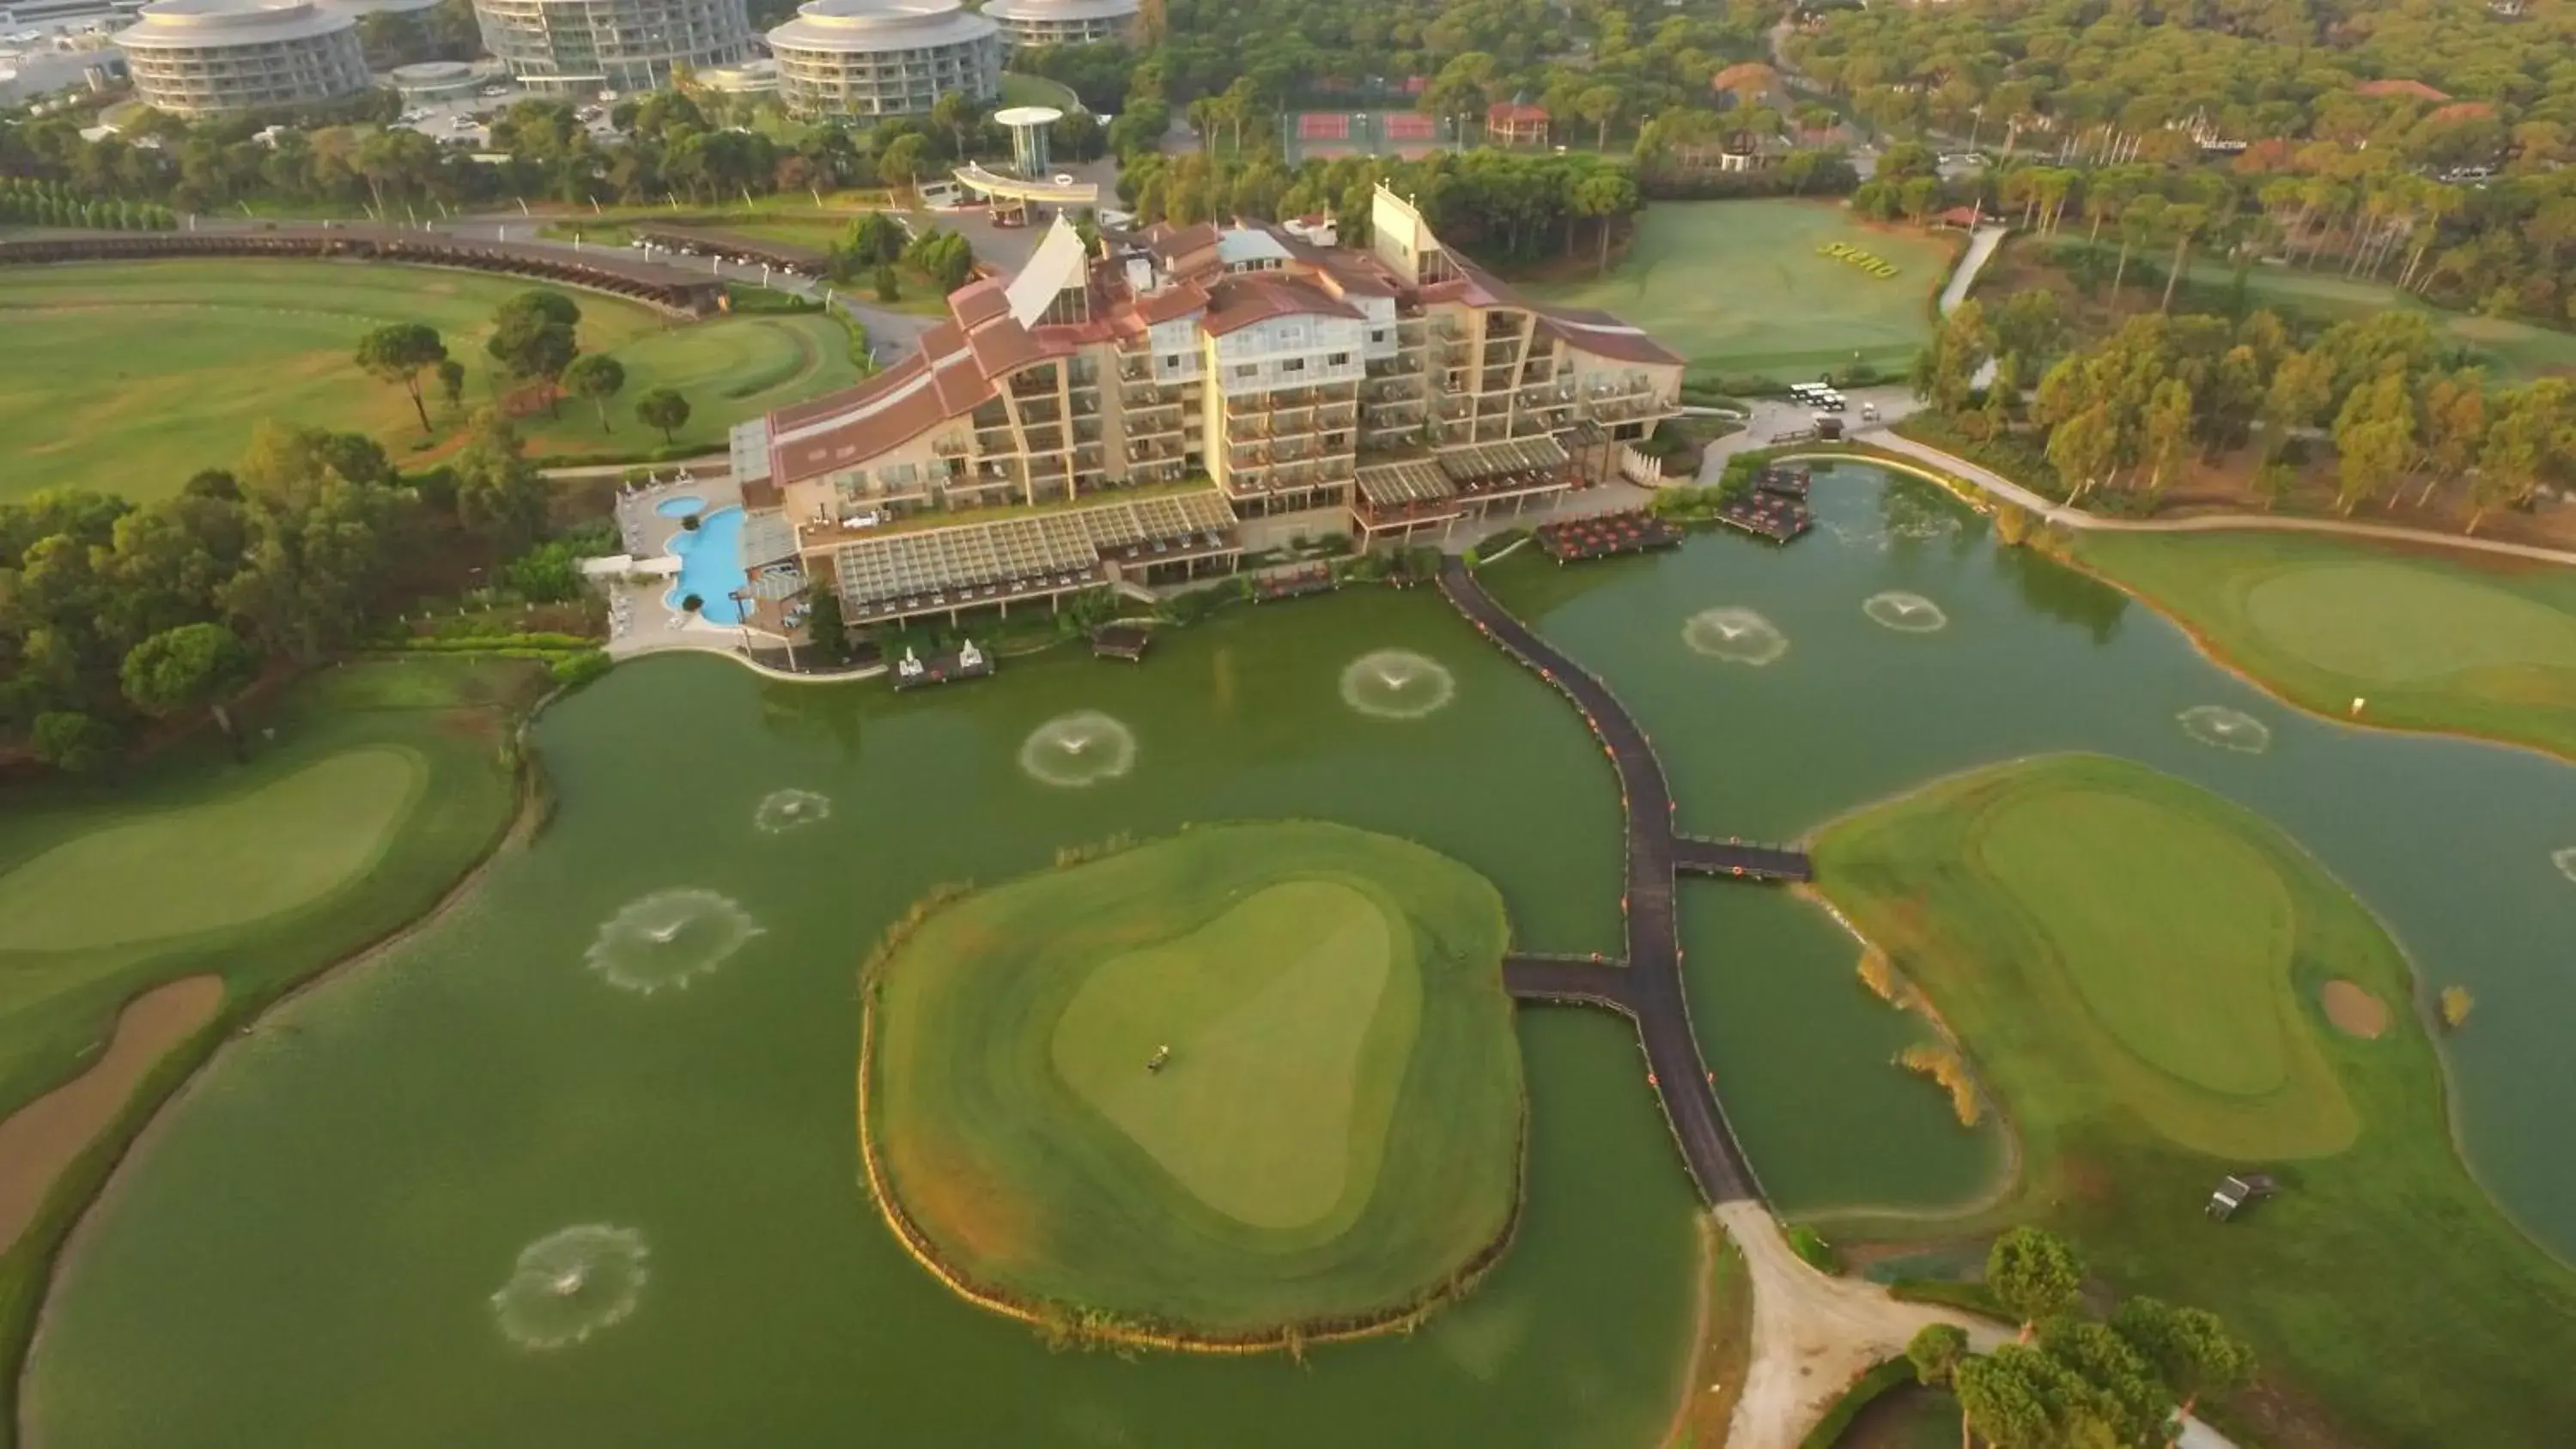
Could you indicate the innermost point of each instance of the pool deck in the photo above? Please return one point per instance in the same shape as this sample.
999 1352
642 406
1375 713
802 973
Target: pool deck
639 621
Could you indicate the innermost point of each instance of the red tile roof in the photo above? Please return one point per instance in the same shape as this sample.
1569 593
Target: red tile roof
1238 302
2414 88
1604 335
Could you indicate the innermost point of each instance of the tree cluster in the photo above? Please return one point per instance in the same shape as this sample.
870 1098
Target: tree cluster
2343 134
2073 1380
944 256
1517 205
32 202
1596 65
2127 415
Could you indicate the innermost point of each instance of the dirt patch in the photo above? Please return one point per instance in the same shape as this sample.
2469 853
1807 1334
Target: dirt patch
2353 1011
1713 1379
41 1139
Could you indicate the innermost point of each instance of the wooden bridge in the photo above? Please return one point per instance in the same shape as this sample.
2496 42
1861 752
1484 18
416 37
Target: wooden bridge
1647 987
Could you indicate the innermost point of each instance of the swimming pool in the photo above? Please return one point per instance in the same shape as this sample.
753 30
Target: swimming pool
711 565
680 505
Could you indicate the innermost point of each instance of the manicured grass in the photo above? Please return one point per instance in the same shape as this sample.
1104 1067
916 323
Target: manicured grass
128 377
1738 287
1335 1133
2389 1300
249 856
1036 90
2429 642
381 785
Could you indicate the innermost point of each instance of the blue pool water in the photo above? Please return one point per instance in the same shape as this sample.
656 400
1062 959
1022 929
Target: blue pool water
680 505
711 565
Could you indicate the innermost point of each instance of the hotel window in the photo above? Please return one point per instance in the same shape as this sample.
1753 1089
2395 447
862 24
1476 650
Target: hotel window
1340 359
1293 364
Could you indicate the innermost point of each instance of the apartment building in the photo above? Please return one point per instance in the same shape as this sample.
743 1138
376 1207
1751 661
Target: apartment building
205 57
582 47
859 59
1385 390
1064 22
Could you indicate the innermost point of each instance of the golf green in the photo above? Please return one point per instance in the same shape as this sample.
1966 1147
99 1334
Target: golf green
2134 966
1745 287
227 862
1246 1079
127 377
2166 985
2425 641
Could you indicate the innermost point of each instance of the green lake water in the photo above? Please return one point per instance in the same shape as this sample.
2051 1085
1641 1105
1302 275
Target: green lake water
304 1252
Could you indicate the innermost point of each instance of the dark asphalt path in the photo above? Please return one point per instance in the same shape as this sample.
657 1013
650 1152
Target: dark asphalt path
1650 991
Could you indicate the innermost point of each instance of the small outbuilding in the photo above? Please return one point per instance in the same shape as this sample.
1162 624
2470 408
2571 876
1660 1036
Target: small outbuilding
1511 123
2237 1190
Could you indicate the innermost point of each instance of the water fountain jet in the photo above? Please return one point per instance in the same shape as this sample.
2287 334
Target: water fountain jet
1078 750
2226 729
1736 635
1397 684
570 1284
669 938
1905 613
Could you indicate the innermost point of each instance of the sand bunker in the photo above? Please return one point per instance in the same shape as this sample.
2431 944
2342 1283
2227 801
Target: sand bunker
2565 860
40 1139
2353 1011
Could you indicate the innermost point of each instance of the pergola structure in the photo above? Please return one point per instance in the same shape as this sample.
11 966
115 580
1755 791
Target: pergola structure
921 573
1404 495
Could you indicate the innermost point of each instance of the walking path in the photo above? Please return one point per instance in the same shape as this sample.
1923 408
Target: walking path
2071 517
1814 1334
1981 246
1648 988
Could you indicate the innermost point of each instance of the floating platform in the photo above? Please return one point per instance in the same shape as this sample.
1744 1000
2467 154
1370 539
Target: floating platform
963 663
1783 480
1766 516
1294 583
1606 535
1121 641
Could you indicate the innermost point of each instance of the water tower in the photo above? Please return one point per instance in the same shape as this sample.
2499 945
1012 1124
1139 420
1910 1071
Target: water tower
1028 126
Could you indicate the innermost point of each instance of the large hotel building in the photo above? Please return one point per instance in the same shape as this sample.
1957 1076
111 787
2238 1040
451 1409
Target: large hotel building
1142 405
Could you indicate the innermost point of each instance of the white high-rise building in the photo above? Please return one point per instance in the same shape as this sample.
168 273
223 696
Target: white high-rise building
1063 22
203 57
864 58
576 47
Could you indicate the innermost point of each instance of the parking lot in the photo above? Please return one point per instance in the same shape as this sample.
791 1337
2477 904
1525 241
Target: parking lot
466 122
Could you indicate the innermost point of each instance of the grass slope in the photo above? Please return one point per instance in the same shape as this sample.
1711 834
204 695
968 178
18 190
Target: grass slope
1337 1130
2388 1298
128 377
415 754
2431 642
1738 287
